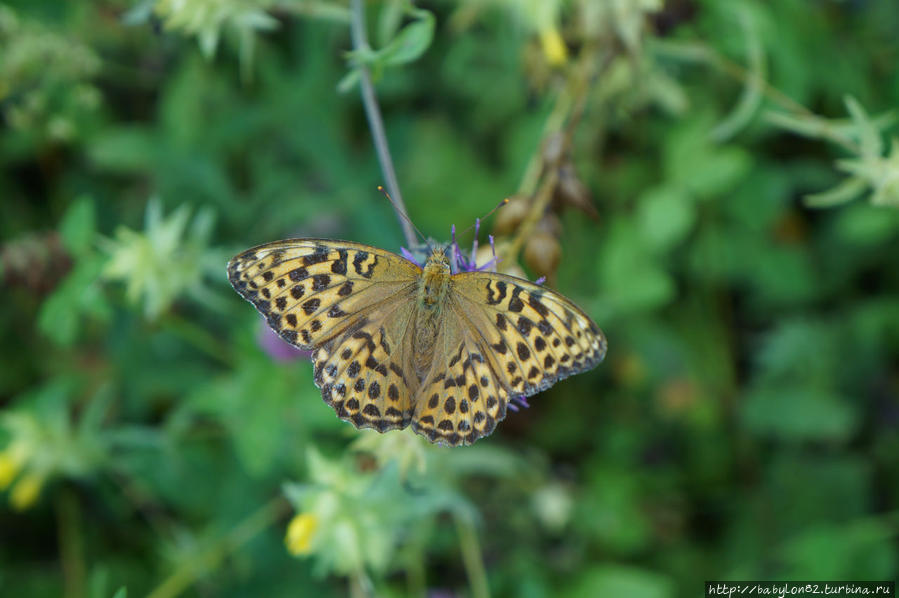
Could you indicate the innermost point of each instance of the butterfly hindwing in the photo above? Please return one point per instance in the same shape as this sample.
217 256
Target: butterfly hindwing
461 398
363 373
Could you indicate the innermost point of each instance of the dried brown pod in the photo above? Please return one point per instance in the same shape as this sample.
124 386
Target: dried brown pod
550 223
542 253
511 215
571 191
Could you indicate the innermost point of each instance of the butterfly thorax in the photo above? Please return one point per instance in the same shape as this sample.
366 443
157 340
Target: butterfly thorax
435 281
434 284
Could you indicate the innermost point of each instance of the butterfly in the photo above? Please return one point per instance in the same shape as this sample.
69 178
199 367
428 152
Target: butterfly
396 344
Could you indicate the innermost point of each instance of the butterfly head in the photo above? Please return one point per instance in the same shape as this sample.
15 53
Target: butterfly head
435 279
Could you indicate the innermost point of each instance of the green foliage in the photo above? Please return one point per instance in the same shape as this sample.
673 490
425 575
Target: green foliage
743 263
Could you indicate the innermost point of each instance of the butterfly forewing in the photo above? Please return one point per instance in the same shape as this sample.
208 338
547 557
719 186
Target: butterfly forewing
310 290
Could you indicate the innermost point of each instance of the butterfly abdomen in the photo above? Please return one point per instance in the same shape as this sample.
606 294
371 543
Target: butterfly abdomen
433 288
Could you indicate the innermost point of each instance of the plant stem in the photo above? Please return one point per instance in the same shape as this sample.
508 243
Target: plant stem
691 52
540 178
472 557
205 560
360 585
197 336
71 549
376 123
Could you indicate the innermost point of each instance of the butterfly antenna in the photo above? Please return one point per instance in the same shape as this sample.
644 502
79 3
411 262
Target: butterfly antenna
402 213
477 222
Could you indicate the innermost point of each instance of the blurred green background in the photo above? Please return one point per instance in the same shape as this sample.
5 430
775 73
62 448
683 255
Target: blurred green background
724 204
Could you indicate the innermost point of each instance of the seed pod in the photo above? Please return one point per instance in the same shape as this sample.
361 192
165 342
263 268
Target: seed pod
510 215
550 224
542 253
571 191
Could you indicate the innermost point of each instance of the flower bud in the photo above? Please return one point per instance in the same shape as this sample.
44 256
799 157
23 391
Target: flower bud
300 532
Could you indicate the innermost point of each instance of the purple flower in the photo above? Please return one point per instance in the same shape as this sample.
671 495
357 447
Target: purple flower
518 402
459 262
276 347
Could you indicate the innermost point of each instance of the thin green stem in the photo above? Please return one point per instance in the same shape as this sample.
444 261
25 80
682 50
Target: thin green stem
376 123
71 547
540 178
472 557
205 560
360 585
198 337
315 10
703 53
415 573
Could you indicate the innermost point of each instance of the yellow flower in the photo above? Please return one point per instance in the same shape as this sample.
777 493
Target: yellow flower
11 460
25 492
553 46
300 532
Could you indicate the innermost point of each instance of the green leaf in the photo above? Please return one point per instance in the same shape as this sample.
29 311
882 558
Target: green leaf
665 216
389 19
79 226
62 315
865 131
613 512
631 278
862 549
620 581
410 43
751 96
700 166
349 81
123 150
797 414
846 191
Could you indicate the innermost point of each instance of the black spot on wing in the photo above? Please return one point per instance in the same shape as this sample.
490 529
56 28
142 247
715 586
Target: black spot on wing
311 305
536 305
359 259
515 302
320 255
494 297
339 265
320 282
